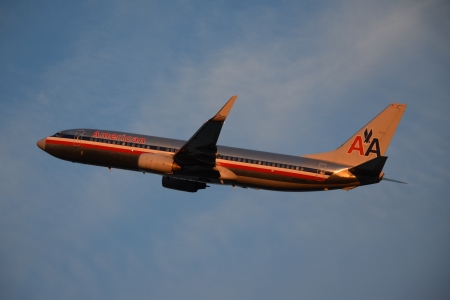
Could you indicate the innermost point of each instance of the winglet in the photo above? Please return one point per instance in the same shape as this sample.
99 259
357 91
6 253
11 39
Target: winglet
223 113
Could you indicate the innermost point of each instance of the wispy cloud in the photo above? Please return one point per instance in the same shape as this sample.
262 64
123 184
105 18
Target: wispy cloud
308 75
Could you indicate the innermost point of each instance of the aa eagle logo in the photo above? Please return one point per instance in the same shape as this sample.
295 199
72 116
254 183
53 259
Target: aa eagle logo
358 144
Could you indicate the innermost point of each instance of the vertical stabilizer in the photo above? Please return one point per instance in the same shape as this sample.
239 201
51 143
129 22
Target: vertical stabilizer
368 143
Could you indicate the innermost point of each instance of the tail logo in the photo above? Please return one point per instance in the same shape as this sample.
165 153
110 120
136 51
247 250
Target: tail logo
358 144
367 136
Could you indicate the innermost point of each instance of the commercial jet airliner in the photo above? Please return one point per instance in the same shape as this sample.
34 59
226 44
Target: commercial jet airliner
190 165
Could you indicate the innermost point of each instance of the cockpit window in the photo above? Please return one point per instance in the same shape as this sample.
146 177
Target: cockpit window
58 134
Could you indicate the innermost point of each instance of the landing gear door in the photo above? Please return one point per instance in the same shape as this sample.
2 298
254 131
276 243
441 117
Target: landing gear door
320 176
77 138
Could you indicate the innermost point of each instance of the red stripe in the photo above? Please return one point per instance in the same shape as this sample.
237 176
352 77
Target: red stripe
130 150
268 171
99 146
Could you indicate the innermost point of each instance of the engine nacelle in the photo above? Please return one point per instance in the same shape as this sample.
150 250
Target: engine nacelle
155 163
182 185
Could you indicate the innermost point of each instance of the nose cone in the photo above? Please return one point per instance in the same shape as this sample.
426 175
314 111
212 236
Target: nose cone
41 144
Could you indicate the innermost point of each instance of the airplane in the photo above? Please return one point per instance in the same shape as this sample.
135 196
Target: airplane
191 165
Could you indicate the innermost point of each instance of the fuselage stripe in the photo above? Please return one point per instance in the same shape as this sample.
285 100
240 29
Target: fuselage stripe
220 162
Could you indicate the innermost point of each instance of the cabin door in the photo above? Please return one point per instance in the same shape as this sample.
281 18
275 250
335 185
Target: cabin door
78 137
320 176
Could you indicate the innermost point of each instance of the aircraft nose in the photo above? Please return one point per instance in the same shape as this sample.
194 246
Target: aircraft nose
41 144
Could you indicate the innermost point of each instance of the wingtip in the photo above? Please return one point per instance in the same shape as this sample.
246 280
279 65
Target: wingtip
223 113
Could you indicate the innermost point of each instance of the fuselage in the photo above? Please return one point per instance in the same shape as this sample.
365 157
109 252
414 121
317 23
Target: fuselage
248 168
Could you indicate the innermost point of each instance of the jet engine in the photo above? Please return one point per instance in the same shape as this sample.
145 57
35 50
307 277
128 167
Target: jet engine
155 163
182 185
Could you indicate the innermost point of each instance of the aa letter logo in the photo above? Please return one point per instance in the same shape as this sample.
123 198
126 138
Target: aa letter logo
358 144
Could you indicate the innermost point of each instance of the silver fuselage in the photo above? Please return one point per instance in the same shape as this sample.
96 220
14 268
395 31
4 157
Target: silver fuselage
253 169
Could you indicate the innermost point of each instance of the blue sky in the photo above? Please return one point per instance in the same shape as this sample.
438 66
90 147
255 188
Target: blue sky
308 74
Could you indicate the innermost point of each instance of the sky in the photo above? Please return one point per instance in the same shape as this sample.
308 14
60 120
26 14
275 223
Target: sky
308 74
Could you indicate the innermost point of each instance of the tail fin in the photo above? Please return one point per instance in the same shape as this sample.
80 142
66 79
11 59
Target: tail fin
368 143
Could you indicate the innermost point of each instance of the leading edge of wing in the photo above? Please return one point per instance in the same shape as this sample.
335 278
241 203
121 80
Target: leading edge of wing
200 150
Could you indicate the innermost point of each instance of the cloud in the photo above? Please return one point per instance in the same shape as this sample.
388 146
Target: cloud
280 90
307 76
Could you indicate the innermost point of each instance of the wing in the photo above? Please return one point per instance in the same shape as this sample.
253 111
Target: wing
199 152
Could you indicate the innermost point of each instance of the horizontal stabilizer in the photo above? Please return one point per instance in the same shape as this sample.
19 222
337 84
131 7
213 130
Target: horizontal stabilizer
372 167
393 180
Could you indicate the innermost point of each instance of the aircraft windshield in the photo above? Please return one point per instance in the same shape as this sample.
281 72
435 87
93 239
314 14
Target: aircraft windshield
58 134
